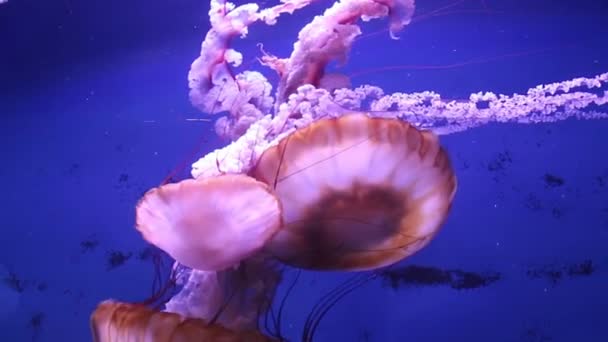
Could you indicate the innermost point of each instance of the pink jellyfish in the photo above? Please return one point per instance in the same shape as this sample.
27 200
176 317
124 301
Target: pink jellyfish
357 192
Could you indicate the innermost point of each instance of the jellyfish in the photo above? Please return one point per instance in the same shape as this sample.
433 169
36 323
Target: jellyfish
115 321
216 226
357 192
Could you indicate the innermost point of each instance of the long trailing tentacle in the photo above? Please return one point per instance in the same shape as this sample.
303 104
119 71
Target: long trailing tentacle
327 301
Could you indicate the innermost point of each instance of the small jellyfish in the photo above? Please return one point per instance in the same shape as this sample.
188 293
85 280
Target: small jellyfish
209 224
357 192
217 227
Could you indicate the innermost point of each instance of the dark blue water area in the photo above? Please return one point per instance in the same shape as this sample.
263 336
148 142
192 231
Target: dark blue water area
89 126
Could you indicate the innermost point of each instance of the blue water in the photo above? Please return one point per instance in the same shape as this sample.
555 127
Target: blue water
93 99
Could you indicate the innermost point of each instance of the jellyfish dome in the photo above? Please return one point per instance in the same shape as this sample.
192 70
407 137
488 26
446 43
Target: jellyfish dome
212 223
117 322
357 192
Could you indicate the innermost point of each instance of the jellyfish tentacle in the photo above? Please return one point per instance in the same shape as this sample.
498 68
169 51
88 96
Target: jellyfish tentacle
328 300
278 323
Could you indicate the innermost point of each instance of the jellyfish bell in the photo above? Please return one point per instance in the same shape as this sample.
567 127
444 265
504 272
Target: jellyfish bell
118 322
357 192
211 223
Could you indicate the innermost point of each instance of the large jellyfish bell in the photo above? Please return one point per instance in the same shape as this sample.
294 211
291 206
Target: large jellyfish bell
357 192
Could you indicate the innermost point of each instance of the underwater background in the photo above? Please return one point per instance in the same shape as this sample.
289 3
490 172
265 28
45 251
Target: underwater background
94 105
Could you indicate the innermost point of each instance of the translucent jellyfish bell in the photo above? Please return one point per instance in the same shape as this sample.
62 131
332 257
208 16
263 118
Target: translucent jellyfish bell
211 223
357 192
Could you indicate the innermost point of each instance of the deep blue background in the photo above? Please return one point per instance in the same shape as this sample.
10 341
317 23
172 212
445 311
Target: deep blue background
81 81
